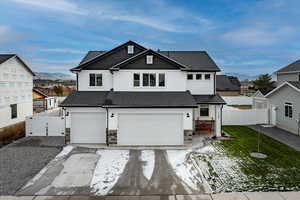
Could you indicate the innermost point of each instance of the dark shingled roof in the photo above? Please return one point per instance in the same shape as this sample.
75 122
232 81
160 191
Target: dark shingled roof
5 57
225 84
85 99
150 100
295 66
265 91
295 84
209 99
196 60
90 55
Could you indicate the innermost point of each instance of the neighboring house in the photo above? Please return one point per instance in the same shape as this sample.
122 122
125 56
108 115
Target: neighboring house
285 106
131 95
247 88
259 99
42 102
290 72
227 85
15 90
241 102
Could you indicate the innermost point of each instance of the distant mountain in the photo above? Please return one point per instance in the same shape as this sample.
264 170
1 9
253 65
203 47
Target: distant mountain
54 76
242 77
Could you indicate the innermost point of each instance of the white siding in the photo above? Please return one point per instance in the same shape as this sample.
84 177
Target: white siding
287 77
174 80
201 86
16 84
84 80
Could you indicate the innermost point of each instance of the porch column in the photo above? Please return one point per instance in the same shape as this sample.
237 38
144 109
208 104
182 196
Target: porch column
218 120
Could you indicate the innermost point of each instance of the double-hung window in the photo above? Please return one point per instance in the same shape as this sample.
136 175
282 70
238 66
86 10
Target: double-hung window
136 80
149 79
288 110
96 80
161 80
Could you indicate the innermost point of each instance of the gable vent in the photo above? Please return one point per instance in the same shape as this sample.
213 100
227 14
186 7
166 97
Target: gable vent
130 49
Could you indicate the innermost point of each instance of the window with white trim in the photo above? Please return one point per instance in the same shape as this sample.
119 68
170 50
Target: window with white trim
198 76
130 49
136 80
204 110
288 110
14 111
149 79
189 76
96 80
149 59
161 80
207 76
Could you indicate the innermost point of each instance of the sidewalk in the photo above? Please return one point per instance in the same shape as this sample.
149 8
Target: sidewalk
225 196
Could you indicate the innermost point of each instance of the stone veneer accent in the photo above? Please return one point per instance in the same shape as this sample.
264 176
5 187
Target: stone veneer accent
188 137
112 137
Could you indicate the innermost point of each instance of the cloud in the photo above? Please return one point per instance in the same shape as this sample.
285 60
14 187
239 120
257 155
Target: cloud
65 6
258 36
63 50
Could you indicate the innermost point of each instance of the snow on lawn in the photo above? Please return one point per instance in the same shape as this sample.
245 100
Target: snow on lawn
185 169
148 157
108 170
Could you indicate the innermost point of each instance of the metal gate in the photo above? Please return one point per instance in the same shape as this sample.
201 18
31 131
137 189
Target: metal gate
42 125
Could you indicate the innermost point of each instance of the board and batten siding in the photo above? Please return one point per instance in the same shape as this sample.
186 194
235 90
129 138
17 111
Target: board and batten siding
278 99
16 84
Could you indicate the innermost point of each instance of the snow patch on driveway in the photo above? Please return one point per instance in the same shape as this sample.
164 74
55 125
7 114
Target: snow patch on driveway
66 150
184 168
108 170
147 156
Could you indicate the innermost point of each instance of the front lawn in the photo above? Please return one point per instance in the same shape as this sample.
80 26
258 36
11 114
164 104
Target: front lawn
230 168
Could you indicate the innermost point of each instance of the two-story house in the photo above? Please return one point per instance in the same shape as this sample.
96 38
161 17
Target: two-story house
131 95
16 81
284 100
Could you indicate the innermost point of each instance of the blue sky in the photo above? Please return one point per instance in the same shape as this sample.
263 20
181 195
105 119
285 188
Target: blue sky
248 37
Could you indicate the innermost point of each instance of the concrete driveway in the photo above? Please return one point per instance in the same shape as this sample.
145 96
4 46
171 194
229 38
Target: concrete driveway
84 171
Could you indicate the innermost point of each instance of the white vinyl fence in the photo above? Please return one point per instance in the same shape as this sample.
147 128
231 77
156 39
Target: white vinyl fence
45 124
235 116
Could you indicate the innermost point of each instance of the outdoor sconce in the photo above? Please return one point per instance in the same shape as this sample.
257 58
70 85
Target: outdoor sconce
112 115
187 115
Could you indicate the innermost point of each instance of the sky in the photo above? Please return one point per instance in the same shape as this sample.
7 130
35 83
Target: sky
247 37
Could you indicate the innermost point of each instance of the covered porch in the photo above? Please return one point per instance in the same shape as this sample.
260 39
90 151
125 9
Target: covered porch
208 115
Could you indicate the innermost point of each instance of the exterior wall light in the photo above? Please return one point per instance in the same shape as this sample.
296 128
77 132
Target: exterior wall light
112 115
187 115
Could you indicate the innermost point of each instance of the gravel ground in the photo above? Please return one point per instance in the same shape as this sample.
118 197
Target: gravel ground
21 160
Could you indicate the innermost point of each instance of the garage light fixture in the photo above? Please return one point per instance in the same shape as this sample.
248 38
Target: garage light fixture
112 115
187 115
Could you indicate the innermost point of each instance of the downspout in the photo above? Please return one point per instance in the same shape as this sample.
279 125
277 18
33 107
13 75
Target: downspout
106 126
221 117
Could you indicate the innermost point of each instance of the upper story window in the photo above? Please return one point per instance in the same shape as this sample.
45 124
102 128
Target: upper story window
149 59
198 76
149 79
130 49
207 76
161 80
204 110
96 80
189 77
136 80
14 111
288 110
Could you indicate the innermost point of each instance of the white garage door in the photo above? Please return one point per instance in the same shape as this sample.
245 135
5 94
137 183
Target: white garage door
88 127
150 129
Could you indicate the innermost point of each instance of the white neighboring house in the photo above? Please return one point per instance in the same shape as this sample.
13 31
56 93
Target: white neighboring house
259 101
131 95
16 82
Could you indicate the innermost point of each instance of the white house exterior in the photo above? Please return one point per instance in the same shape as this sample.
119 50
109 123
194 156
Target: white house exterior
16 82
131 95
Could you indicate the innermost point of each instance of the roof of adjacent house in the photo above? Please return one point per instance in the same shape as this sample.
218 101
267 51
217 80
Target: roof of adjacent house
293 67
194 60
209 99
150 99
39 92
5 57
85 99
238 100
223 83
